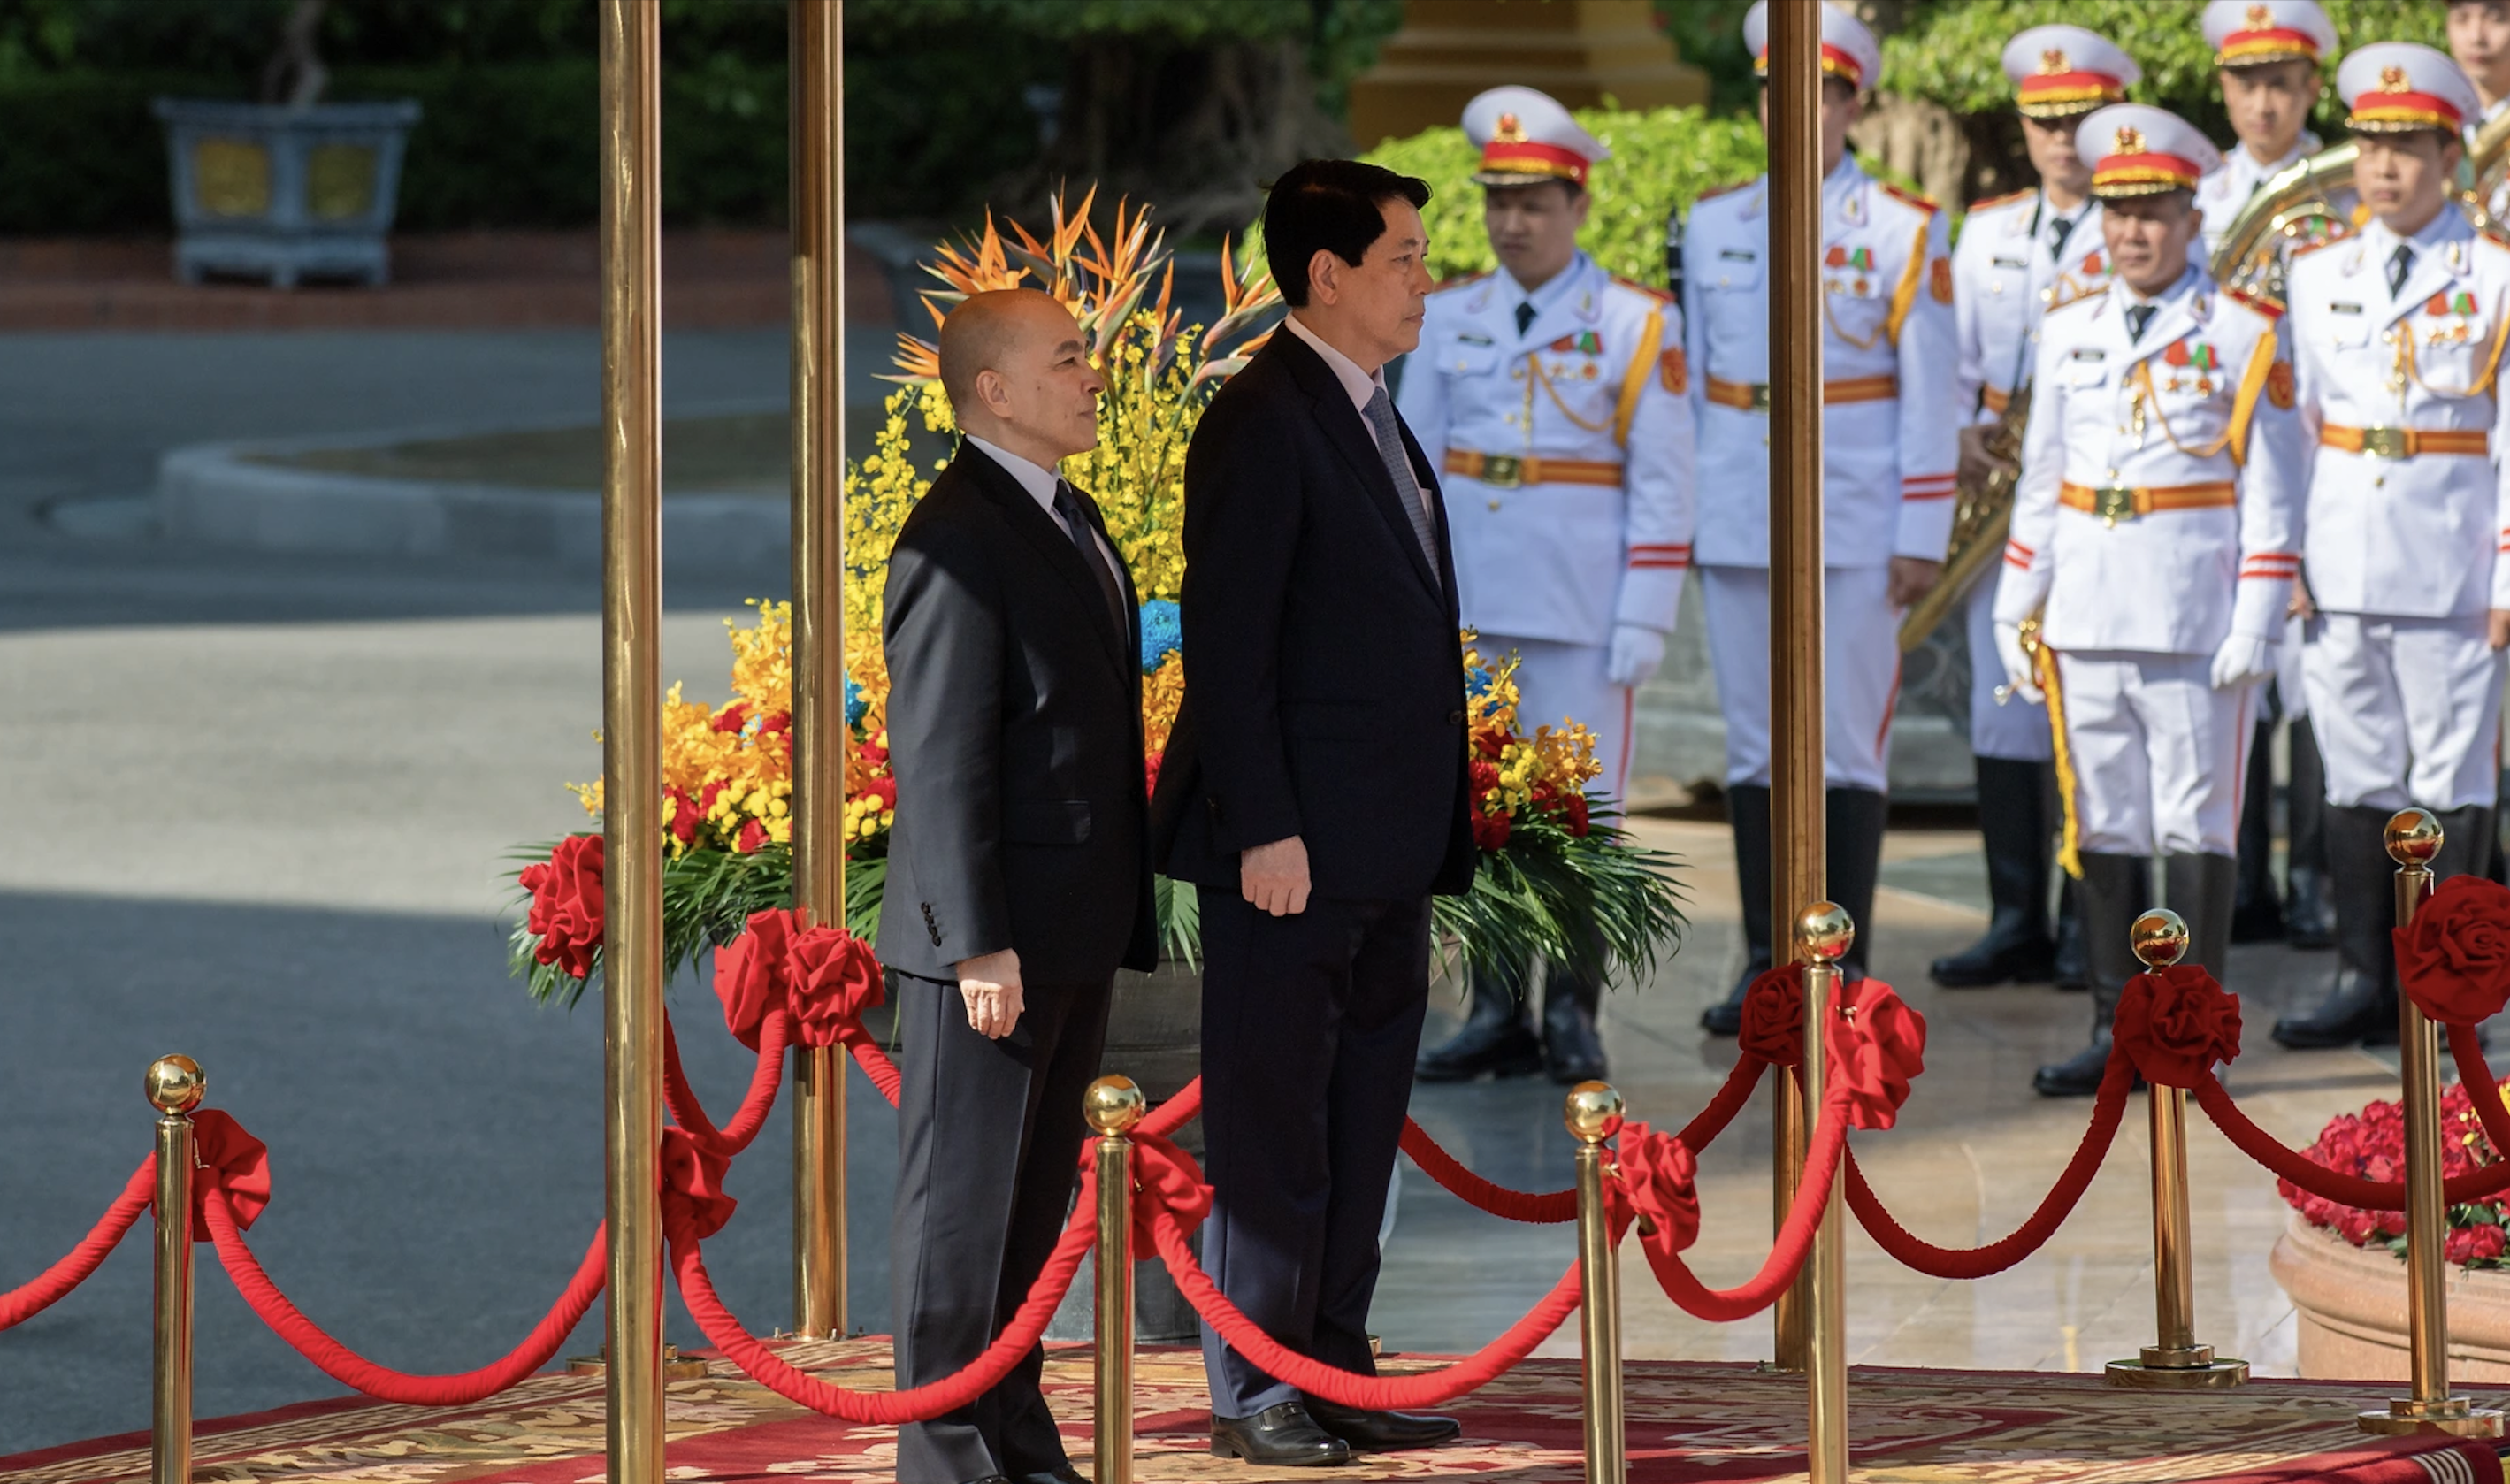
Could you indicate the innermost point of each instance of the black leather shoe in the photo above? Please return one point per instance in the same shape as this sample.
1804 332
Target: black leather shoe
1725 1016
1281 1436
1061 1473
1572 1052
2308 922
1383 1432
1495 1039
2078 1075
2358 1011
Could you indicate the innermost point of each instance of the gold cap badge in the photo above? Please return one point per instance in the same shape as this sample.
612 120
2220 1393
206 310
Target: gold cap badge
2052 62
2129 141
1510 130
2261 17
2393 80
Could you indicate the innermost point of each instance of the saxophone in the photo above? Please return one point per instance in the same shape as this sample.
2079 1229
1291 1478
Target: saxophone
1981 516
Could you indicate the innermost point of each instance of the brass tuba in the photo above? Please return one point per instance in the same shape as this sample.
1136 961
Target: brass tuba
2295 207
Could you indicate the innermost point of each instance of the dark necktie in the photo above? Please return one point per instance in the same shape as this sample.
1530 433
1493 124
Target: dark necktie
1077 526
2138 315
1399 468
2059 229
1525 317
2399 263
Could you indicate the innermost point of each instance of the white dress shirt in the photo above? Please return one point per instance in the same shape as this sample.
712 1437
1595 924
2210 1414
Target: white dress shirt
1361 385
1040 481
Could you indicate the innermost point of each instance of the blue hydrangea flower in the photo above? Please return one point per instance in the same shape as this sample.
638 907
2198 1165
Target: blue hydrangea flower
856 702
1477 681
1163 632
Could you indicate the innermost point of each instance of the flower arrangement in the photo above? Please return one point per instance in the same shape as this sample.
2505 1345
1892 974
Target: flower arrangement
2372 1144
1558 879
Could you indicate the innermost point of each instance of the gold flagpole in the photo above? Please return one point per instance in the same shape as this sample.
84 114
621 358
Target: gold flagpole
631 727
818 108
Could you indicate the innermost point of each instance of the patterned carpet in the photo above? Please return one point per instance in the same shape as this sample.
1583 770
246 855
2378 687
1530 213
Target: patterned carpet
1686 1423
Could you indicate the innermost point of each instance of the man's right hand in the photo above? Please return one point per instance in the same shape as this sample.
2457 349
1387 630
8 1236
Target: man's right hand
1975 463
1274 877
2020 675
990 984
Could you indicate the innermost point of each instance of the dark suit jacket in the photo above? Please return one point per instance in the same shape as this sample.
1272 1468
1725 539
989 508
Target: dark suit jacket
1016 735
1324 679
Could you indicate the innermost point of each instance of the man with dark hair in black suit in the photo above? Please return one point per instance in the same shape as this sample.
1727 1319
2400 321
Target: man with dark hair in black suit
1019 873
1321 798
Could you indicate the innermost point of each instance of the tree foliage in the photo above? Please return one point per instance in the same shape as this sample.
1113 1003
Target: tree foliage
1663 159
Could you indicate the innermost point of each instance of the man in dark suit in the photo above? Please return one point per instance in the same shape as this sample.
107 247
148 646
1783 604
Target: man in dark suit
1322 797
1019 873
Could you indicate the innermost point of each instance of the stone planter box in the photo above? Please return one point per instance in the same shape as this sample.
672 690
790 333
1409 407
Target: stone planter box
282 193
2352 1308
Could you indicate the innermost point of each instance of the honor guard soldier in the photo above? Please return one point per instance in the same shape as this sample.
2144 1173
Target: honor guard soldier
2020 256
1553 396
2152 542
2266 54
2479 42
1888 435
2397 335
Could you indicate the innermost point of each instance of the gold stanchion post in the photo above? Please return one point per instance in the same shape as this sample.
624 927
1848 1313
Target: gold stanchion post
1593 1115
1113 1105
2176 1362
817 99
631 729
1826 931
174 1085
2414 838
1795 793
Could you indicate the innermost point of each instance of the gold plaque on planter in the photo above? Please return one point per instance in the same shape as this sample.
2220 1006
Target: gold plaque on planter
340 181
231 177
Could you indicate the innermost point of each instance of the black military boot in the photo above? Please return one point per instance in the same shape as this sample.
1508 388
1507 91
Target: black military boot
2361 1007
1855 818
2112 892
2257 913
2309 910
1572 1052
1495 1039
2072 970
2466 844
1747 809
2018 946
2201 890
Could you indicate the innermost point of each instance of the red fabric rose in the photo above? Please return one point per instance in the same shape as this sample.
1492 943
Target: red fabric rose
1164 1178
693 1183
750 973
1878 1047
1773 1016
2455 962
2177 1024
1657 1185
831 977
566 905
226 1157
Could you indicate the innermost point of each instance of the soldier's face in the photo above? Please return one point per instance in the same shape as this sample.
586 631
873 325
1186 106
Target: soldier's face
2147 237
1533 228
2268 103
2479 40
2051 143
2404 178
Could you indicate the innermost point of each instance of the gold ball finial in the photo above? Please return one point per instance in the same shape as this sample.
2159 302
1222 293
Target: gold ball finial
1826 930
2160 937
176 1083
2413 837
1593 1112
1114 1105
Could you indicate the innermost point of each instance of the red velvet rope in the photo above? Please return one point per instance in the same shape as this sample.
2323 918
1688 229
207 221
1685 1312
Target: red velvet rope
1926 1257
2468 1052
1547 1209
882 1408
691 1115
1703 1131
1346 1388
355 1371
32 1298
2318 1179
874 1061
1787 1254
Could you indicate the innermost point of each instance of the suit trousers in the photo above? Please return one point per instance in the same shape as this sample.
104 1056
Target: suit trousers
988 1148
1309 1026
1860 671
2406 711
2159 755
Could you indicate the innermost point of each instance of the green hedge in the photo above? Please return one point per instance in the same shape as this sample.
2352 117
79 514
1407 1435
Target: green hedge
1661 159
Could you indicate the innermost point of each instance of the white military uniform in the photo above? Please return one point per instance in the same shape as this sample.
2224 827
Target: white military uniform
2224 191
2009 270
2407 509
1567 451
2152 522
1888 447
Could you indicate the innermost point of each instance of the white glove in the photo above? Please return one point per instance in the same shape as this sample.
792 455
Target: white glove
1637 651
2021 679
2242 660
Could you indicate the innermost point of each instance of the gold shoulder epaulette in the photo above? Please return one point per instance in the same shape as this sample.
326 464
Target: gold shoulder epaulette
1925 203
2266 307
1998 201
1661 295
2087 296
1460 281
1722 190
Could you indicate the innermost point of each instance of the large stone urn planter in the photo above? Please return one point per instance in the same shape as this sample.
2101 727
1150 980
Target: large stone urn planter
2352 1307
284 193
